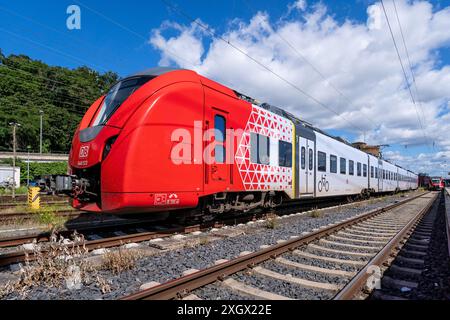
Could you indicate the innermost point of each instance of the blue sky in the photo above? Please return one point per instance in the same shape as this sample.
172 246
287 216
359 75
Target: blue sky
103 45
38 29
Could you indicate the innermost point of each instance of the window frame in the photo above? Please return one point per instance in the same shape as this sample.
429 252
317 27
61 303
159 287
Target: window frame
333 160
254 135
321 156
287 157
222 141
343 161
303 158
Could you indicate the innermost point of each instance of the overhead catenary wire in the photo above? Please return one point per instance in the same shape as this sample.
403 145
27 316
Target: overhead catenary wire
35 82
125 28
39 44
305 59
409 61
297 88
403 70
27 73
43 25
64 102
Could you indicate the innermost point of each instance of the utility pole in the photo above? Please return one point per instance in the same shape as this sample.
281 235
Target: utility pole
28 167
41 113
14 125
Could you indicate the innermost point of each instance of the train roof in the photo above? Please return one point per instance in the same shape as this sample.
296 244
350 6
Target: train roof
154 72
277 110
294 119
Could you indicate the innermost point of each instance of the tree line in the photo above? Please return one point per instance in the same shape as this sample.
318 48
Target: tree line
28 86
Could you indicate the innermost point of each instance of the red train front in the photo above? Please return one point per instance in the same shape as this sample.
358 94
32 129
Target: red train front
128 153
437 183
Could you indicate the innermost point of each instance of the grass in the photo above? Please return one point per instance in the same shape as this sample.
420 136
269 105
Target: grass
52 268
203 241
271 221
19 191
120 260
48 217
316 214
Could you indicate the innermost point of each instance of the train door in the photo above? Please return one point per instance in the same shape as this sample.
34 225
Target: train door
307 164
380 176
218 175
218 168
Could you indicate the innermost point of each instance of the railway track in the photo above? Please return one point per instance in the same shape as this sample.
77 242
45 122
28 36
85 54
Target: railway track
104 235
25 204
111 234
404 278
28 215
24 197
107 242
332 262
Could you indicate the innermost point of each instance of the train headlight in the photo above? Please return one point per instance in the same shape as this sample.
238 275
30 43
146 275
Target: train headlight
108 147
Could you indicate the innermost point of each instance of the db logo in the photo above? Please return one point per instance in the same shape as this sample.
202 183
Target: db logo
173 199
84 152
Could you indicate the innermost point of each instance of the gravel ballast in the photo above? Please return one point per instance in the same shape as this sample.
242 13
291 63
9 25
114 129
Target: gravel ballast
168 265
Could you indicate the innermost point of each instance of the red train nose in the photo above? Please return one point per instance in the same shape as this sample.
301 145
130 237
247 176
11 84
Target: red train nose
91 145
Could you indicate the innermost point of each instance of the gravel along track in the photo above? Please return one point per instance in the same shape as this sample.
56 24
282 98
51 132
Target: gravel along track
324 266
421 270
163 264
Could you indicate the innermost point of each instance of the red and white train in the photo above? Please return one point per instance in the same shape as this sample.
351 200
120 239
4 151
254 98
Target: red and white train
127 155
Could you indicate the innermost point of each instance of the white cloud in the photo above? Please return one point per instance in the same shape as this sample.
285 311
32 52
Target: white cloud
298 5
358 59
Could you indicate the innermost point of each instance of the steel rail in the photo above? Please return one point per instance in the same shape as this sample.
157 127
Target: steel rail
30 215
9 205
359 281
177 287
21 256
288 208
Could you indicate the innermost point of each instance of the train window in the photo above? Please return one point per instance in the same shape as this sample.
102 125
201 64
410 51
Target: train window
310 159
321 161
260 149
365 170
358 169
333 163
376 173
220 135
351 167
285 154
303 158
117 96
343 166
371 172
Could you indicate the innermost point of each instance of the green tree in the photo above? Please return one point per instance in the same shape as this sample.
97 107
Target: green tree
27 86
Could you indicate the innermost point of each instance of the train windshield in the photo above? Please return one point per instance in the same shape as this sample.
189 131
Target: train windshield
436 180
116 96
